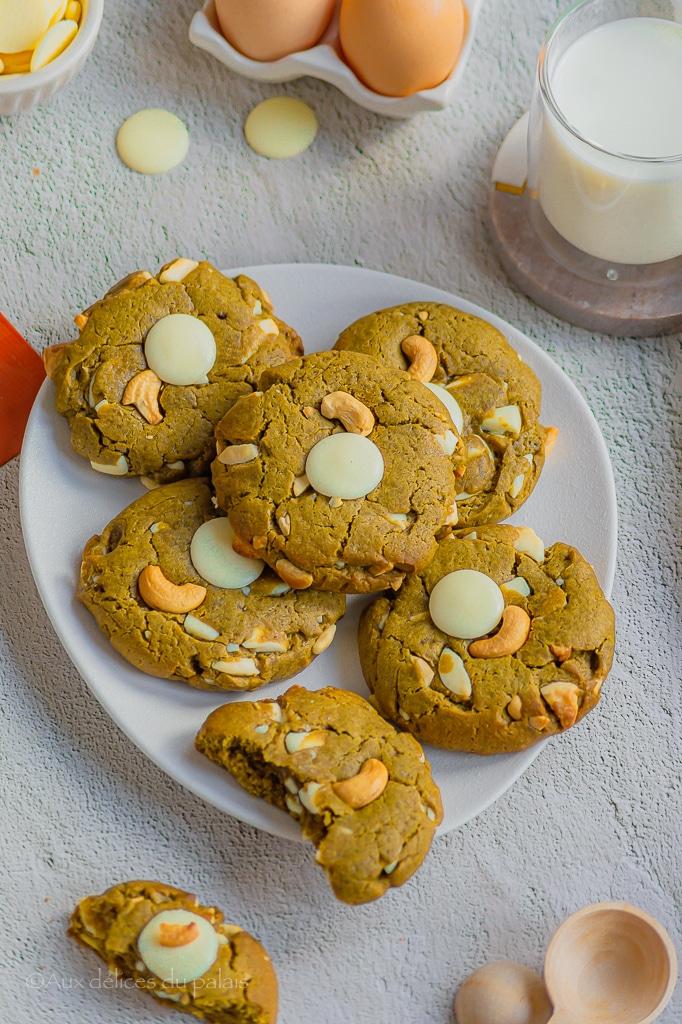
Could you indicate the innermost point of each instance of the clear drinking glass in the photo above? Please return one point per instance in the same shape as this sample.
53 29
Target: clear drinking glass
602 214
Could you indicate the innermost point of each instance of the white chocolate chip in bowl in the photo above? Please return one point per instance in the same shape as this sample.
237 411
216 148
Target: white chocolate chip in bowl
450 403
345 466
178 946
180 349
466 604
217 562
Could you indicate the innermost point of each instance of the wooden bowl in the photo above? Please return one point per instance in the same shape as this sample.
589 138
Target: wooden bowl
610 963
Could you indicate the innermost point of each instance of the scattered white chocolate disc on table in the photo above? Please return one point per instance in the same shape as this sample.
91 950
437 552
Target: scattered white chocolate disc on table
344 466
280 127
152 141
22 23
450 403
180 349
217 562
466 604
178 946
54 42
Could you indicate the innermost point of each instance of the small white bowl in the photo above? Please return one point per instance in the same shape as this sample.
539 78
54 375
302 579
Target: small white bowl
324 61
21 92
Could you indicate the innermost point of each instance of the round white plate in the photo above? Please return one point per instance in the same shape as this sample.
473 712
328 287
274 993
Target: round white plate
63 503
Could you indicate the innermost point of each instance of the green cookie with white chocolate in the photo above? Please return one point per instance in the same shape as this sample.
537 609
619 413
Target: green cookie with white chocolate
492 396
339 472
361 791
175 599
159 360
495 645
183 954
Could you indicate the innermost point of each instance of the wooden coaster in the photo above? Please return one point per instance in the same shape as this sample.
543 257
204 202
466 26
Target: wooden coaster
21 374
610 298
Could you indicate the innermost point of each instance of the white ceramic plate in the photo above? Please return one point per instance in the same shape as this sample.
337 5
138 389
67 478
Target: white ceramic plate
63 503
324 61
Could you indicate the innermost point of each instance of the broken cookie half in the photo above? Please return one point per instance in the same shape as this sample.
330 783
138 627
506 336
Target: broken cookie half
361 791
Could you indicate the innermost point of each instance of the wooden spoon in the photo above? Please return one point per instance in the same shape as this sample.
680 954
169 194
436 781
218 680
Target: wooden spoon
609 963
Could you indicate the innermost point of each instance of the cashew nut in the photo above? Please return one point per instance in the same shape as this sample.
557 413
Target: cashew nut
515 708
297 578
178 934
129 282
242 547
354 414
551 434
510 637
143 392
423 357
561 652
563 700
52 357
81 320
238 454
324 639
158 592
366 786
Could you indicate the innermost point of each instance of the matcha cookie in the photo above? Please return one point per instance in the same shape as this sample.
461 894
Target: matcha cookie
167 589
159 360
339 473
185 955
496 397
495 645
361 791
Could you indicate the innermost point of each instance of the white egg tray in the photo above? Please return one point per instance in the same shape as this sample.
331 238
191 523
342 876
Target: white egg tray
324 61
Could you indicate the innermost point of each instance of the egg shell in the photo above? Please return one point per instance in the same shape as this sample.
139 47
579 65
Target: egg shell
270 29
399 47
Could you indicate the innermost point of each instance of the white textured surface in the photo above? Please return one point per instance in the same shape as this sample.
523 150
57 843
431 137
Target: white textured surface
597 815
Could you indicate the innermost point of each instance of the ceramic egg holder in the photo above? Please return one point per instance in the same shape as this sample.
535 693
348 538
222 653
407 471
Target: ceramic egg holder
324 61
611 298
609 963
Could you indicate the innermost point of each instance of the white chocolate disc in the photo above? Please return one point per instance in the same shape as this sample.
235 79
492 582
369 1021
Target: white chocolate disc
280 127
217 562
450 404
178 965
466 604
22 24
180 349
152 141
345 466
54 42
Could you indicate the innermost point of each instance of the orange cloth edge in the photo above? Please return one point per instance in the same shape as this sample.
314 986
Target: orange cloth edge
21 375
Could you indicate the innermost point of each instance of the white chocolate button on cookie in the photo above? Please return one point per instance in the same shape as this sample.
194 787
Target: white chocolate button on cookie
280 127
22 23
178 946
345 466
180 349
152 141
216 561
466 604
450 404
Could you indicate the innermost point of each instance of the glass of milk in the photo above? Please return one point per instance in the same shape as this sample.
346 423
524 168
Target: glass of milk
605 138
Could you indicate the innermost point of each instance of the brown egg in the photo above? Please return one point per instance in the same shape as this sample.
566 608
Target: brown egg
270 29
398 47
